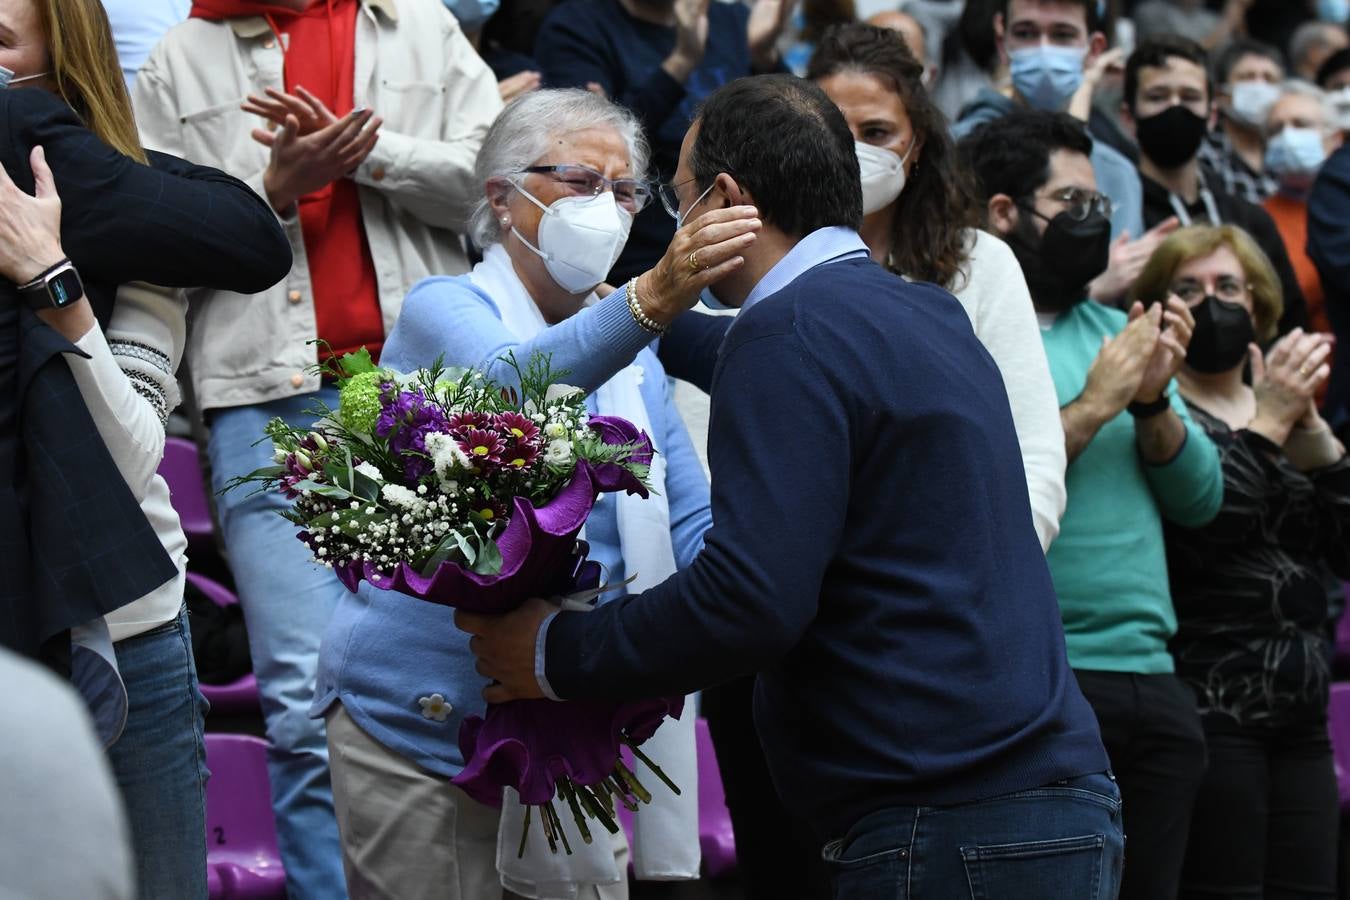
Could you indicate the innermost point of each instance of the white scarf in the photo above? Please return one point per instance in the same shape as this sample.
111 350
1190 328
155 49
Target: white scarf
665 832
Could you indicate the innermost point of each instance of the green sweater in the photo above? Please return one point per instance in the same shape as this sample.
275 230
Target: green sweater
1108 563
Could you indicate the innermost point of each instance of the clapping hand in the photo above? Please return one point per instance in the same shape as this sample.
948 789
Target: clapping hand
767 19
309 111
1116 374
304 163
1127 260
691 38
1286 381
30 224
1169 353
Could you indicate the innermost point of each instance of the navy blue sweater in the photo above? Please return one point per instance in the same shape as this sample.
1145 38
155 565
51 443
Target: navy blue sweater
872 557
597 40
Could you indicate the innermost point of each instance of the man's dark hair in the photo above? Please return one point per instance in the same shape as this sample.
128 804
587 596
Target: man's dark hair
786 143
1091 8
1154 54
1011 155
1232 54
1336 63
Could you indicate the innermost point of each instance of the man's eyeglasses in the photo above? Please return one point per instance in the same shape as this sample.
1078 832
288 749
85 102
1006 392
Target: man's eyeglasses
1226 287
670 199
580 181
1079 203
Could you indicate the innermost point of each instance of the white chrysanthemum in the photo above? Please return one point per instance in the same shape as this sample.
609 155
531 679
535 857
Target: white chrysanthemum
558 453
369 470
398 495
555 430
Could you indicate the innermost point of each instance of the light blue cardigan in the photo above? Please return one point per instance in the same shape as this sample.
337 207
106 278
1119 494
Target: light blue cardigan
384 651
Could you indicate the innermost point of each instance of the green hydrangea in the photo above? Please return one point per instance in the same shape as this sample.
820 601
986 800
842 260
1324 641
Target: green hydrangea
359 400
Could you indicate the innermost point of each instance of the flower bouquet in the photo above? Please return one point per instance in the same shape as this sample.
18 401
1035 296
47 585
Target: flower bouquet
443 485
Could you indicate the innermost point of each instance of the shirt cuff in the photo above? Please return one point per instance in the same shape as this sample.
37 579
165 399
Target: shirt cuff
539 643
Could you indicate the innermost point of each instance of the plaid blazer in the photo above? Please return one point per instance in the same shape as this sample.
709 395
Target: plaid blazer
74 544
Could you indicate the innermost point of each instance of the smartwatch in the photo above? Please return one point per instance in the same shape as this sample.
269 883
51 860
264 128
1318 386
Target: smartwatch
56 288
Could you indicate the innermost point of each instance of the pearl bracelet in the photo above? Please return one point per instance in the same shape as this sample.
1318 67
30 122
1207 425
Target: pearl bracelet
645 322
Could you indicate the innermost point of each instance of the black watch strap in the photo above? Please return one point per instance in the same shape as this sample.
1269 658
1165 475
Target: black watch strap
1150 409
58 286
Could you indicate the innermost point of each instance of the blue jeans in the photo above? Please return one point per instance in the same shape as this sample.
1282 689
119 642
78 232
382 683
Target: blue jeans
287 601
160 762
1062 841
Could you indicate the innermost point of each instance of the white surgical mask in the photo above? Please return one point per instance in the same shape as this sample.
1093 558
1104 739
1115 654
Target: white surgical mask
580 238
1340 104
1295 154
679 217
1252 101
883 175
7 77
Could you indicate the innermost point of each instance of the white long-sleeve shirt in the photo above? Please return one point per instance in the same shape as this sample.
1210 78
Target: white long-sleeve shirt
128 383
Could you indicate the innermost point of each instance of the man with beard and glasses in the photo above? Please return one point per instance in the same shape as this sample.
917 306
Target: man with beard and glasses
1135 458
1169 106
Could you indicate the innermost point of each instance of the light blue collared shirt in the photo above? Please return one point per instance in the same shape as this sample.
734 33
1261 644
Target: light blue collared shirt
824 245
832 244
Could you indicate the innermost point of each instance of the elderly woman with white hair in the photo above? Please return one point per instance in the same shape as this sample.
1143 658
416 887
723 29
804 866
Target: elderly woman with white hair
563 176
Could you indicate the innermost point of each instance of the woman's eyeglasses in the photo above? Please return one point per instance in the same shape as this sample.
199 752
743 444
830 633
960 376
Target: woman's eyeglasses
580 181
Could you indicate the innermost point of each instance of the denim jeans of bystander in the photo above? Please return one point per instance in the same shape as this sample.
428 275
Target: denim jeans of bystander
160 762
287 601
1063 841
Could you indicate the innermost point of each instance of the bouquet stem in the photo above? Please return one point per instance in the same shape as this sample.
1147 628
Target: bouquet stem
594 801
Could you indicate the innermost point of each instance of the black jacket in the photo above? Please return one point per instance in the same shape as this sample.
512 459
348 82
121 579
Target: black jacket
1329 249
74 544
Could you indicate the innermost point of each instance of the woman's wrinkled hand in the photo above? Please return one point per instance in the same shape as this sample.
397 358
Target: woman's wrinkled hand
702 253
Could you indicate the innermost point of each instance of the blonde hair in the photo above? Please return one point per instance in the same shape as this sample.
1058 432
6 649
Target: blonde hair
1186 244
87 73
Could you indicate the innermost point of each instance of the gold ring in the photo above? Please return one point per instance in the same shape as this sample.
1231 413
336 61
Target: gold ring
693 262
1303 370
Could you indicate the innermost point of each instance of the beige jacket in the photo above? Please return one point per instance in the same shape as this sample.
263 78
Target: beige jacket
414 68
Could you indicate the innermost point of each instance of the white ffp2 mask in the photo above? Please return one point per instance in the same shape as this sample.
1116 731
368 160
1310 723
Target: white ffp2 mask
883 175
580 238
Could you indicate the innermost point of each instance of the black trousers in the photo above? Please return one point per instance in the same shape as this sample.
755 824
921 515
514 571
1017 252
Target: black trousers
1153 736
775 857
1266 817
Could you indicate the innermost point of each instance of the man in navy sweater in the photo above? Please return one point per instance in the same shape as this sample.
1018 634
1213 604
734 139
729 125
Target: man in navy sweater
872 558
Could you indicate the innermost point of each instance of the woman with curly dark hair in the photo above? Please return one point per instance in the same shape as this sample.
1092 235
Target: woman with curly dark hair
919 218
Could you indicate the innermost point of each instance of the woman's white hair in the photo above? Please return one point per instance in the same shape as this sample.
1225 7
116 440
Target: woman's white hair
528 126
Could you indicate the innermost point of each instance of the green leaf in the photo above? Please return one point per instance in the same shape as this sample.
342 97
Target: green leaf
489 561
450 545
356 363
335 491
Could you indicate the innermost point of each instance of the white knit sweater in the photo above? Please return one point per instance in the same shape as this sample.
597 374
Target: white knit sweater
129 386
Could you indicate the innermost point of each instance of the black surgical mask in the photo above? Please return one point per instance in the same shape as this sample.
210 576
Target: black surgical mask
1059 265
1172 137
1222 332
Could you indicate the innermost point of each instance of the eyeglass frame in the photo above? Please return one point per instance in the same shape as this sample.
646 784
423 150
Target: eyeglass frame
604 183
1243 288
666 190
1092 199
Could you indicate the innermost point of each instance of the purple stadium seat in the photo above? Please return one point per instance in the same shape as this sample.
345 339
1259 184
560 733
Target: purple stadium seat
716 838
1338 723
238 697
183 472
241 839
